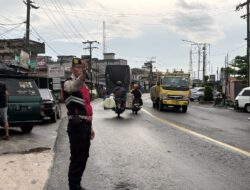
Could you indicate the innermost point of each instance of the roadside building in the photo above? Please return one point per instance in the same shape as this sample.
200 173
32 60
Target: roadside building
99 66
234 86
12 52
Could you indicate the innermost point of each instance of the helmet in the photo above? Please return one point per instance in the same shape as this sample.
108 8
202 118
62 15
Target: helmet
136 86
118 83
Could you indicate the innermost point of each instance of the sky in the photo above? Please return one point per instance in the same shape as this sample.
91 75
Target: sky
135 30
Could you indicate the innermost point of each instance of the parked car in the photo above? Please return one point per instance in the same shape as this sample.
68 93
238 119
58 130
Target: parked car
52 107
25 107
242 100
197 93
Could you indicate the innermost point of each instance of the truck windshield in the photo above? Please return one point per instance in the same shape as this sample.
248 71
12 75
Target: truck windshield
175 82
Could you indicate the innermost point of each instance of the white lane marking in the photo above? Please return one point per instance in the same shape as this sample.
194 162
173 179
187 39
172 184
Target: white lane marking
230 147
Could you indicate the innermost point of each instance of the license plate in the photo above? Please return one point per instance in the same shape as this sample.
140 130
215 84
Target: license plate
24 108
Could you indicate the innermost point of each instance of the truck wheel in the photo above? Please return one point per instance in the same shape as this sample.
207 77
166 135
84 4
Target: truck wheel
160 106
26 128
184 109
247 108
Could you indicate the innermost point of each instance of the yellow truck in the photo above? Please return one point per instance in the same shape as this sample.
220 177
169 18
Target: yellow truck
172 91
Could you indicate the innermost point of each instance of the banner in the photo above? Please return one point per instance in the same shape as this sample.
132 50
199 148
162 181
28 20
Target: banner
55 71
24 59
40 62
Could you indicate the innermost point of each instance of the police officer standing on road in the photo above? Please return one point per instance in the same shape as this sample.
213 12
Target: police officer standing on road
80 131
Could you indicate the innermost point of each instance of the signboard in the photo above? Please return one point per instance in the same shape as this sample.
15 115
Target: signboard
24 59
212 78
56 86
41 62
33 62
55 71
56 83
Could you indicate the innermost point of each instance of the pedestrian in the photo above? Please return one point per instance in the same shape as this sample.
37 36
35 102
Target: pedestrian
4 109
80 130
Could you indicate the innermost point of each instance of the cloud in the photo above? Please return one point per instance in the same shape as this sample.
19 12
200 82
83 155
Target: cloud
194 5
193 23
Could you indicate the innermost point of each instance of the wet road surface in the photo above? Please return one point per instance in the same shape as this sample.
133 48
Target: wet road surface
142 152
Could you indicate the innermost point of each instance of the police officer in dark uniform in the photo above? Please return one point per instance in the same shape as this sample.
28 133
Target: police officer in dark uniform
80 131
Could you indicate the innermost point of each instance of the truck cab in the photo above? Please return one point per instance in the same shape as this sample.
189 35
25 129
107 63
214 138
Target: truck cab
171 91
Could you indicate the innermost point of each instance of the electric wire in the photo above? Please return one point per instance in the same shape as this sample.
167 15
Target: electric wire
78 18
55 51
63 14
230 51
60 29
11 29
5 24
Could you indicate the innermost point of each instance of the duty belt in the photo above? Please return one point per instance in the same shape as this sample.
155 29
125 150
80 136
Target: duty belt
83 117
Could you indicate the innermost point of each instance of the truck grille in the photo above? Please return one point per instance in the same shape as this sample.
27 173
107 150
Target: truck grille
175 97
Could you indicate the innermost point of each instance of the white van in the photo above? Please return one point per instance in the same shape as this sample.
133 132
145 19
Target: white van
242 100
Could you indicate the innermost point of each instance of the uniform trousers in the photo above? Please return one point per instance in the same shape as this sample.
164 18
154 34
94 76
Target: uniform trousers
79 138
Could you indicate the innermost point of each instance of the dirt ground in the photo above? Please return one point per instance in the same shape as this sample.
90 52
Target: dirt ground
25 171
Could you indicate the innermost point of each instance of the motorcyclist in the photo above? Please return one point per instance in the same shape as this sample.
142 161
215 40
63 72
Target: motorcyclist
120 92
137 93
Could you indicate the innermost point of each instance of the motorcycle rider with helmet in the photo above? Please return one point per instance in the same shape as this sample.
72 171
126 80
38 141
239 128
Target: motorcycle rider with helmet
120 93
137 94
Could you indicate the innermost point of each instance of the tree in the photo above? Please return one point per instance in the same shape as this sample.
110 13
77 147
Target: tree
208 93
241 63
238 68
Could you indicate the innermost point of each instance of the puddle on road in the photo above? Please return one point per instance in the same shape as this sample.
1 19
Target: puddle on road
125 186
30 151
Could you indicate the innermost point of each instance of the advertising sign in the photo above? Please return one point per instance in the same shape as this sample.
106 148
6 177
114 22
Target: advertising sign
55 71
24 59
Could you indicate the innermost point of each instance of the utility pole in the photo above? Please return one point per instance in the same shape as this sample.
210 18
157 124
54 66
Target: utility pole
204 63
149 65
104 37
191 63
226 74
199 61
30 5
240 6
204 48
90 62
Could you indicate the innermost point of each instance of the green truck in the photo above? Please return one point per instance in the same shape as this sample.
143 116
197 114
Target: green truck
25 108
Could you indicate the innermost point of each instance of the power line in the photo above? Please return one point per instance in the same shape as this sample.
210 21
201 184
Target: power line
45 41
11 29
78 18
232 50
5 24
57 5
60 28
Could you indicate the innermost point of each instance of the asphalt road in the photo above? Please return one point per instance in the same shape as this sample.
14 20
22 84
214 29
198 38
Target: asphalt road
206 148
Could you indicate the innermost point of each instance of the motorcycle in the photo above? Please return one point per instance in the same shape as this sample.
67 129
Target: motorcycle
136 106
120 106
